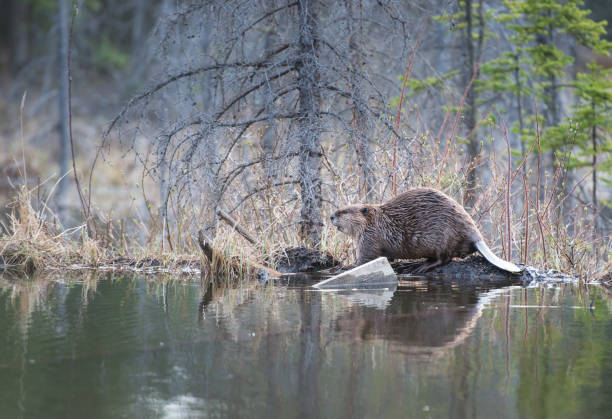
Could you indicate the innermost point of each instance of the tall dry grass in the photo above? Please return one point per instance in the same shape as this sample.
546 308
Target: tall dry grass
30 243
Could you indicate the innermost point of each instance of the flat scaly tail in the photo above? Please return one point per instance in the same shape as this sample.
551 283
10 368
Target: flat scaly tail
491 257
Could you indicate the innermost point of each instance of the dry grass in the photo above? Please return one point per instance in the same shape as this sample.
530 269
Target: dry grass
531 230
30 243
520 220
230 260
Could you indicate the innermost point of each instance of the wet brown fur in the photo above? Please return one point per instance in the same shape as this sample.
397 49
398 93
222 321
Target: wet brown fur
419 223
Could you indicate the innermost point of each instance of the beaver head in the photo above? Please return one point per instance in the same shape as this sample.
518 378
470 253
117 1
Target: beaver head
353 220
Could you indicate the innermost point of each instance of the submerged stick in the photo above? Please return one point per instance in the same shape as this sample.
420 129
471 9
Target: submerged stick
264 272
204 243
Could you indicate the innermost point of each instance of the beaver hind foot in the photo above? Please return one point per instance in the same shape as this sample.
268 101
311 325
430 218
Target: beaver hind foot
429 264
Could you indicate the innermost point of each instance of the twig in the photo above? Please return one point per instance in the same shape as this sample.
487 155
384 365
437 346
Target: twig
263 188
234 224
399 106
25 169
457 116
508 185
537 208
256 64
526 215
75 11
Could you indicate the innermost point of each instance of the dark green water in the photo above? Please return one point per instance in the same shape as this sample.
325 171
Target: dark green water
129 347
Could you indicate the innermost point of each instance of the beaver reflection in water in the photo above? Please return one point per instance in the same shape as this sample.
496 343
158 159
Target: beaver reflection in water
419 223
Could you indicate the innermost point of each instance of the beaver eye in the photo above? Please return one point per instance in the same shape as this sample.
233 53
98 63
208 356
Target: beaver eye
364 210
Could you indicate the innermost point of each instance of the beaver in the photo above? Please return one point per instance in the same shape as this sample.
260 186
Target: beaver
419 223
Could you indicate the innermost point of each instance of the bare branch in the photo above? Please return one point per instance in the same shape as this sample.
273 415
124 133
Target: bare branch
263 188
263 63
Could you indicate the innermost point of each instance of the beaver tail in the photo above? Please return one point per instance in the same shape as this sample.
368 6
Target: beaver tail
491 257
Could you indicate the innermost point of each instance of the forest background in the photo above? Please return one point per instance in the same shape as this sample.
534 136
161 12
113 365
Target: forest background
277 112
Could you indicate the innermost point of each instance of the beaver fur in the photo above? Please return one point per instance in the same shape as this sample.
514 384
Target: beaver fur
419 223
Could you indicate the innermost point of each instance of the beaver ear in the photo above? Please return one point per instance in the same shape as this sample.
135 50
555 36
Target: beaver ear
364 210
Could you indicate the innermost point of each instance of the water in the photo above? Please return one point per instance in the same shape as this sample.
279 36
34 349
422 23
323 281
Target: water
130 347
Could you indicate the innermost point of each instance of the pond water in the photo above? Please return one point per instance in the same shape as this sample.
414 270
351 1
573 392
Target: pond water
134 347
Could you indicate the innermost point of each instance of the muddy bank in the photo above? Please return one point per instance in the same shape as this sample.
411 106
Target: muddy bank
300 260
122 264
315 265
605 280
303 259
476 267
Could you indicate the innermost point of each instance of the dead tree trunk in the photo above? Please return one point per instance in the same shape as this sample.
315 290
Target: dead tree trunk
64 135
473 53
594 196
359 123
308 123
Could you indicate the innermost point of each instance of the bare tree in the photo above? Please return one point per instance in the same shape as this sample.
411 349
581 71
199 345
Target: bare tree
309 122
361 136
274 73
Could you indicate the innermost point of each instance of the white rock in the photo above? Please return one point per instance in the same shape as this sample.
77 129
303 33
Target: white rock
377 272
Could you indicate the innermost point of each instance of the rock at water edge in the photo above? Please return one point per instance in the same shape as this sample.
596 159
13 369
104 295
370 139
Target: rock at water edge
377 272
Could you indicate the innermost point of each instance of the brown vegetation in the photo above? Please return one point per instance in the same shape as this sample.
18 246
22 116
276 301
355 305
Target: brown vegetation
537 232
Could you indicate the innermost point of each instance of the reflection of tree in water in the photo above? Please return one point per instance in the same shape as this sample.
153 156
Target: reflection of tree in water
225 298
310 354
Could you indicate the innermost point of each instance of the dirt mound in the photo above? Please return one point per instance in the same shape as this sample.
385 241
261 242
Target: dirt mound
302 259
473 266
476 267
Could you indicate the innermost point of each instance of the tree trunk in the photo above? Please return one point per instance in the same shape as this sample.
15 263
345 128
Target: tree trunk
595 214
470 103
519 108
552 93
552 113
19 35
64 134
311 221
265 99
361 143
